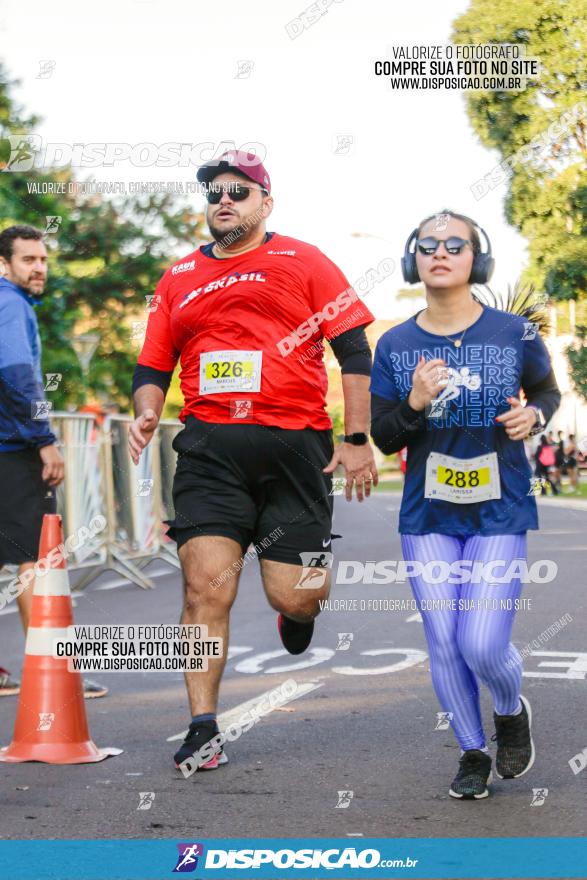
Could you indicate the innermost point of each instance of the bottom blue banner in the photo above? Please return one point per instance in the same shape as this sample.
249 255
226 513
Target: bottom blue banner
417 858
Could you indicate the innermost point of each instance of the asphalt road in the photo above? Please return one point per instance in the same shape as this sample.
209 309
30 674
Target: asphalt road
366 727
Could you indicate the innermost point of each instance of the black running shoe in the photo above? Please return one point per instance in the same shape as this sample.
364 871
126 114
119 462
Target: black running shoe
473 777
515 749
198 735
295 636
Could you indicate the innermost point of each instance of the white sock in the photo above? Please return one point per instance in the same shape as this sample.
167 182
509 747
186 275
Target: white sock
484 749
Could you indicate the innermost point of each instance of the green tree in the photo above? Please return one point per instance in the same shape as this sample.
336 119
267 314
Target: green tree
577 355
113 254
106 257
541 133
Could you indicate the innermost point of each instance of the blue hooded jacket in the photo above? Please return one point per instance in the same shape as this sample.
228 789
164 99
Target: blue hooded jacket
21 384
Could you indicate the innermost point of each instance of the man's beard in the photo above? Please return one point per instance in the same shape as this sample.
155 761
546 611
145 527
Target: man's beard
244 230
24 284
29 287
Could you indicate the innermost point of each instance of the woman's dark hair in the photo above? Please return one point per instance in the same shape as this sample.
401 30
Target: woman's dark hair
472 226
8 237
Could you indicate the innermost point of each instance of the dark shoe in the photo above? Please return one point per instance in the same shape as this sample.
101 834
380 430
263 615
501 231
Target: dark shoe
515 749
198 735
8 686
296 637
473 777
92 689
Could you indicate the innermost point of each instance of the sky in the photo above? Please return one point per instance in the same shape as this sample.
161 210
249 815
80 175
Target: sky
147 71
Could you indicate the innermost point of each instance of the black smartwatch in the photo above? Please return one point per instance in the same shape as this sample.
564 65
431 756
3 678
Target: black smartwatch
540 421
357 439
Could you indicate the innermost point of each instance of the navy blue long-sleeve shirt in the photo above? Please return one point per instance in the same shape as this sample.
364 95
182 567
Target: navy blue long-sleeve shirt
21 384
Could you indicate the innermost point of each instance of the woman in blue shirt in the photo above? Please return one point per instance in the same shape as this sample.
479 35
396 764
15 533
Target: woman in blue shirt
446 384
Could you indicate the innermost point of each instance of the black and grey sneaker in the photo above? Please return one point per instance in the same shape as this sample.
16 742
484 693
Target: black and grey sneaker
198 735
296 637
92 689
8 685
473 777
515 748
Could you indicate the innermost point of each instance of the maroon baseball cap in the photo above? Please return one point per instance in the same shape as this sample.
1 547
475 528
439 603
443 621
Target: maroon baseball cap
248 164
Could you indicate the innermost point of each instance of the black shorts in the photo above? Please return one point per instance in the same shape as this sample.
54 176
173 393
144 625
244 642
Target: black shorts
24 500
255 484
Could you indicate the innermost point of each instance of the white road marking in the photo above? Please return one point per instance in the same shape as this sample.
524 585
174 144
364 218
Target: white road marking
233 715
312 657
560 532
236 651
573 503
576 665
413 657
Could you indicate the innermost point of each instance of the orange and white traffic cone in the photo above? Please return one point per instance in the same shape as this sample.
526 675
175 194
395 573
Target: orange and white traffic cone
51 724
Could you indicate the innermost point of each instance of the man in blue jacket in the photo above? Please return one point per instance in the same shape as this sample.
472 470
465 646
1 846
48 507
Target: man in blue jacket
31 466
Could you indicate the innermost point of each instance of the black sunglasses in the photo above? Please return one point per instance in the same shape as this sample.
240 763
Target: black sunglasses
453 245
236 191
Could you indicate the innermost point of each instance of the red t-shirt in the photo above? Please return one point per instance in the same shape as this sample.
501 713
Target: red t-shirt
248 330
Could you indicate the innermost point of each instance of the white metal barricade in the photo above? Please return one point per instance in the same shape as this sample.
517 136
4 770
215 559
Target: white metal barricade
101 480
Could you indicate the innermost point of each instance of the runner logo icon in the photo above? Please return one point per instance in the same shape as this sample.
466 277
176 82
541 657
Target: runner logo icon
455 380
344 641
344 799
187 860
311 578
443 720
241 409
539 796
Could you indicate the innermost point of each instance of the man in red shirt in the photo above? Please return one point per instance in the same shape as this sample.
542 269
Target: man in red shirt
247 314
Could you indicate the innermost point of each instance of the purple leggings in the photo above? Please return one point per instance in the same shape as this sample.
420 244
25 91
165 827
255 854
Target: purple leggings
470 644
